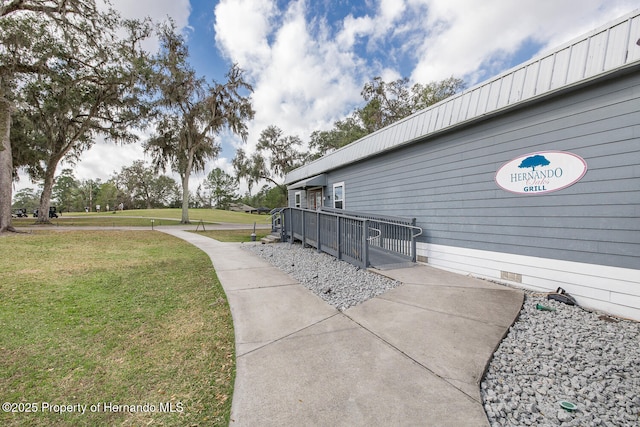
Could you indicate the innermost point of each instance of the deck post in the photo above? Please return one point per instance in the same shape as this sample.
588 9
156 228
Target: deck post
304 234
291 238
318 230
365 243
338 240
414 256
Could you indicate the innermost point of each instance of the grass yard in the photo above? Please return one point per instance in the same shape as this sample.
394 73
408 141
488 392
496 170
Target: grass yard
113 319
206 215
143 217
97 221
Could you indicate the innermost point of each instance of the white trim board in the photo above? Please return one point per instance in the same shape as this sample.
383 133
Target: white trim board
610 289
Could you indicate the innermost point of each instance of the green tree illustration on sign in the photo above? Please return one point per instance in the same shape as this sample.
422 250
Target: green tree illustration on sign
533 161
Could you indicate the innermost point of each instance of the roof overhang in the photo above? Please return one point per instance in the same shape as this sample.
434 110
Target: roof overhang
314 181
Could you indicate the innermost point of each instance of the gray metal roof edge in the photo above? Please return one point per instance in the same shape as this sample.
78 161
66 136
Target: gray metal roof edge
332 160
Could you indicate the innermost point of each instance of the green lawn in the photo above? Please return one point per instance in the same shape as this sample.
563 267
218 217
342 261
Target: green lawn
195 215
112 318
71 220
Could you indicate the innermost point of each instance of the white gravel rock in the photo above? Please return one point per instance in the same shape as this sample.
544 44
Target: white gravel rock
570 354
337 282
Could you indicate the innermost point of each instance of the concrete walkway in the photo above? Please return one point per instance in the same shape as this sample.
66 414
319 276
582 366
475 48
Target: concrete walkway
412 356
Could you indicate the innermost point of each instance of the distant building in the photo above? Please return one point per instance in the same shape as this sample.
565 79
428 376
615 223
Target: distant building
530 178
241 207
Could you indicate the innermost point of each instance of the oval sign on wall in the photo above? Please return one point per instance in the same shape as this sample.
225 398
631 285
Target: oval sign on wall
541 172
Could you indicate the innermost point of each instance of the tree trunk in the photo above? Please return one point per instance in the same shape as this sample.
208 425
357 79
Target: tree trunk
47 190
185 187
185 199
6 164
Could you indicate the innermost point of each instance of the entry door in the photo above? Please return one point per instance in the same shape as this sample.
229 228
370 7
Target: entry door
315 199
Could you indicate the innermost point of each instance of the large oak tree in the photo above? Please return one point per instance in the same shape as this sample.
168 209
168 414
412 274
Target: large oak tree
92 89
29 38
191 114
77 76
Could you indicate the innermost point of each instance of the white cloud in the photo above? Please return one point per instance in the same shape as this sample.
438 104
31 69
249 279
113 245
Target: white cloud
390 10
106 158
354 28
463 35
304 80
242 28
157 10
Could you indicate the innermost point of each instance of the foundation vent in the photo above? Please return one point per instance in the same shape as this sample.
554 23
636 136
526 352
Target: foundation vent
512 277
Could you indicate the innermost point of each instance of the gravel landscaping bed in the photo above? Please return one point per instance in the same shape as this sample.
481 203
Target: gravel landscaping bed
568 355
337 282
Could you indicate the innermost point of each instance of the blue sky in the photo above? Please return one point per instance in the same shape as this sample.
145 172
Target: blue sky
308 59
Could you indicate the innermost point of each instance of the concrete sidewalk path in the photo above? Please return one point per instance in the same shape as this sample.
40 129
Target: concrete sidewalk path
413 356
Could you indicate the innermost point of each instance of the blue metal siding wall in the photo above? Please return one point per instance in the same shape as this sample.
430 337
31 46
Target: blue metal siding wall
448 182
291 195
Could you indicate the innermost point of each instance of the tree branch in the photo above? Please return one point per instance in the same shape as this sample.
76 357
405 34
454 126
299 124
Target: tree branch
65 7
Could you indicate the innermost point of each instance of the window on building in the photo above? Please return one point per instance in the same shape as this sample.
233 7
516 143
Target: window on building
298 199
338 195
